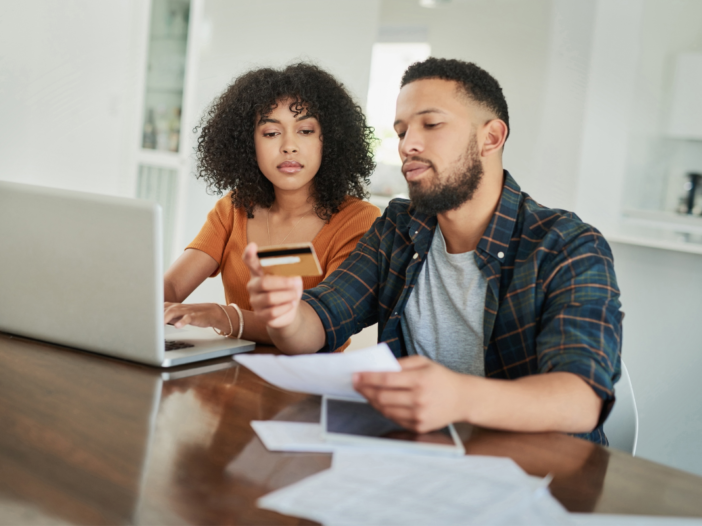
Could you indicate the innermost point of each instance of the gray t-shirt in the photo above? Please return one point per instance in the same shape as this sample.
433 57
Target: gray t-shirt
443 319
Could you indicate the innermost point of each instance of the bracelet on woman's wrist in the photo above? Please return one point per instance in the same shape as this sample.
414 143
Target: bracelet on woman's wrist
231 327
241 319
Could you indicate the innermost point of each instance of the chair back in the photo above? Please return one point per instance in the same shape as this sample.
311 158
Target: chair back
622 425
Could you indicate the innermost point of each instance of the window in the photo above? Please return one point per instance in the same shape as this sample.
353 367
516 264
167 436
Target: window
388 62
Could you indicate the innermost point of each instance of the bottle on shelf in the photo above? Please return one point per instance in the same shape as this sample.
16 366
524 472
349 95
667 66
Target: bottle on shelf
693 187
161 128
688 204
149 138
179 25
174 130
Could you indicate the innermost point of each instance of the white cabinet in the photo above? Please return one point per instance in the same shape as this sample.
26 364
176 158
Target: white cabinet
162 159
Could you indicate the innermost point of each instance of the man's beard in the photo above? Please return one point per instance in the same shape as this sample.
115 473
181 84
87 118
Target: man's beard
457 188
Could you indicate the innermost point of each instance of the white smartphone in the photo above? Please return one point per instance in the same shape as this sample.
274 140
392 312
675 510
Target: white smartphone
355 422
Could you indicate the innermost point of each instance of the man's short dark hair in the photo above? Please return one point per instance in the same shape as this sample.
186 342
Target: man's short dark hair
477 83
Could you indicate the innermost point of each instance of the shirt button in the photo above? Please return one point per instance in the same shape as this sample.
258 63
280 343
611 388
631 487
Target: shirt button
415 256
500 255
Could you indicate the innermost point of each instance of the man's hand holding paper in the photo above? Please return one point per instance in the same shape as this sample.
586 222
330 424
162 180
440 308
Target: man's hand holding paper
422 397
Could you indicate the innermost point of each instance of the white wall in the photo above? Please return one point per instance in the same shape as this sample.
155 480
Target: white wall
69 79
627 162
656 164
607 116
559 130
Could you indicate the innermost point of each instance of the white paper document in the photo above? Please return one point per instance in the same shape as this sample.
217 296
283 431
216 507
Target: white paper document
383 488
277 435
320 374
369 488
478 465
291 436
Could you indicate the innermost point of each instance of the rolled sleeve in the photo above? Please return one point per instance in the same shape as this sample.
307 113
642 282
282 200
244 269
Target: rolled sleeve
346 301
581 323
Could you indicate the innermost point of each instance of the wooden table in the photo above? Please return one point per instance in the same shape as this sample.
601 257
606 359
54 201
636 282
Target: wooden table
86 439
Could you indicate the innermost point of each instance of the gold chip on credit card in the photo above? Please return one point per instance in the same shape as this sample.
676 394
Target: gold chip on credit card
296 259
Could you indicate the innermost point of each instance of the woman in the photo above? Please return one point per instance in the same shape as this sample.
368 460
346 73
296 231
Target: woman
293 151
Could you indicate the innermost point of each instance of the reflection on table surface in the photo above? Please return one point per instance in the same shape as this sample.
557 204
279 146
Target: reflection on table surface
86 439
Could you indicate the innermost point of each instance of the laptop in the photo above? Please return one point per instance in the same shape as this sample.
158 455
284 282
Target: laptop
86 271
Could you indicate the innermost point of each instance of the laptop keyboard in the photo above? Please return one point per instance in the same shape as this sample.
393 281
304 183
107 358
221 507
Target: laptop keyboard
172 345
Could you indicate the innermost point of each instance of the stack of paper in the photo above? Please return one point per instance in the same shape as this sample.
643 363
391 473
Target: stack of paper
368 488
382 488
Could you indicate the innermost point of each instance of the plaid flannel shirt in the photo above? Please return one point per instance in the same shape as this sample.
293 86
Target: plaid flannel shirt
552 302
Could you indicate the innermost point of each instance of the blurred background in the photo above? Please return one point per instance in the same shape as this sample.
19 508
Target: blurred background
605 100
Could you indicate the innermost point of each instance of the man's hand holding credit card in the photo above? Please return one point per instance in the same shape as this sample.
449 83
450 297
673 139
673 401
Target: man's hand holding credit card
275 287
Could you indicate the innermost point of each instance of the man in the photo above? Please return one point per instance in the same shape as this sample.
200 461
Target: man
505 313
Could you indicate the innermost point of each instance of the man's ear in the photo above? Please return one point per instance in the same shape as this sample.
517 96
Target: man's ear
495 133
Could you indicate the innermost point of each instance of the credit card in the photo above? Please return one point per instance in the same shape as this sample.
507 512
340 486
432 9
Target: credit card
297 259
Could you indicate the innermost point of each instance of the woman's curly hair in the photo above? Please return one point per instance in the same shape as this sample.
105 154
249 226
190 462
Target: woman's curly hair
225 148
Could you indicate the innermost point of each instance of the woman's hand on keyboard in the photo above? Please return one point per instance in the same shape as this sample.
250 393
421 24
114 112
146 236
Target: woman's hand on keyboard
199 315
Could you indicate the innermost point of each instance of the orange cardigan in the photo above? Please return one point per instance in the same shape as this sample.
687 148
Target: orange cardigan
223 237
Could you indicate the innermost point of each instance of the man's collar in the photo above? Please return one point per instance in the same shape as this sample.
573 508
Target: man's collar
497 235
